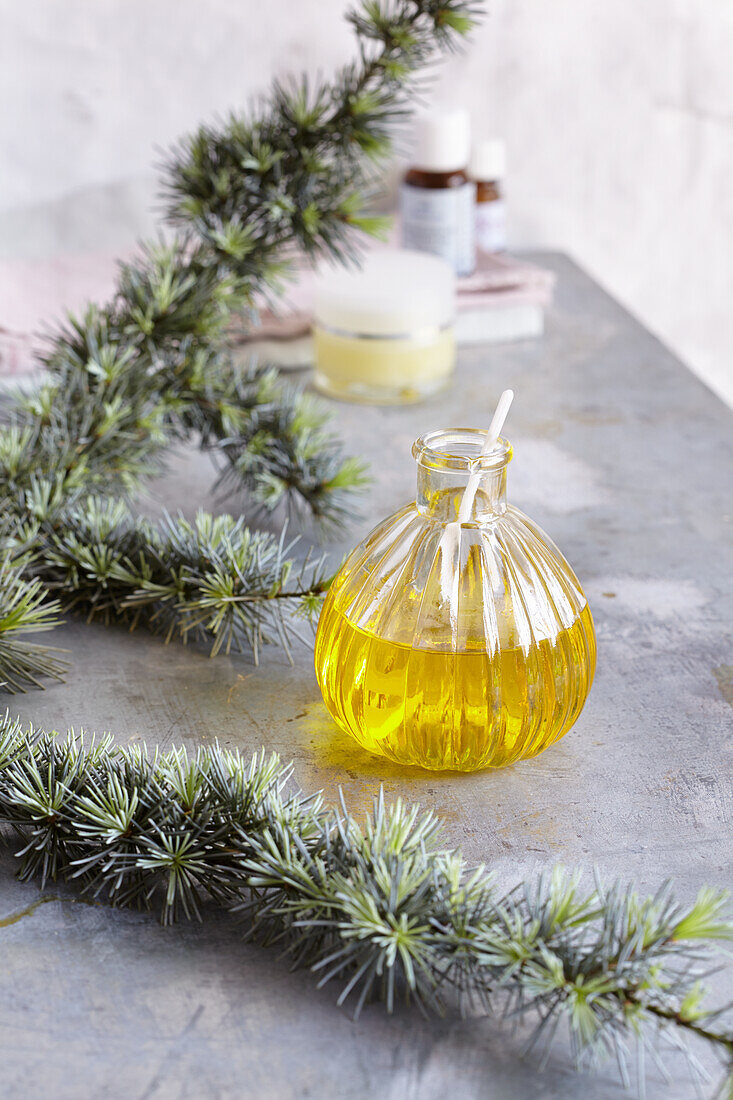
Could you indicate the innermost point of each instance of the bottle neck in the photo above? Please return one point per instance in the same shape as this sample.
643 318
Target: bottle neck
451 460
436 181
440 492
488 191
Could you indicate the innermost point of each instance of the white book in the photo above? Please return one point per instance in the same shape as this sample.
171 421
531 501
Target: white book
499 324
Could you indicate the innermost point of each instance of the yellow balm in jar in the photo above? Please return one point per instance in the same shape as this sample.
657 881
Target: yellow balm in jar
383 334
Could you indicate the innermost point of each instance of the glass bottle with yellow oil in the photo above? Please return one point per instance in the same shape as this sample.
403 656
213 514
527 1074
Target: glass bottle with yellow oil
452 640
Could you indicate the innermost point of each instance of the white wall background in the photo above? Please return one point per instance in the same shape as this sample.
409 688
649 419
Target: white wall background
618 117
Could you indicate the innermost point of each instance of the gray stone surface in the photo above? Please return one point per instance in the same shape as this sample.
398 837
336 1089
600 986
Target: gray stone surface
627 461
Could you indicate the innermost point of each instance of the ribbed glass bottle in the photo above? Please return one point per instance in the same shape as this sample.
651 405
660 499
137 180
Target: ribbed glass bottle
456 645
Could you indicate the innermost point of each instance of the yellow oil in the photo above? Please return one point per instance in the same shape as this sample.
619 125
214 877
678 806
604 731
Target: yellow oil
445 710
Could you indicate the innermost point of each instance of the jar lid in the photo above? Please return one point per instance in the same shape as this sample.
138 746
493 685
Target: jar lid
395 292
442 141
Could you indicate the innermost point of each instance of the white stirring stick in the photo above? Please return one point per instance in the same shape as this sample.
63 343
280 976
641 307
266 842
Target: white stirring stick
497 423
451 534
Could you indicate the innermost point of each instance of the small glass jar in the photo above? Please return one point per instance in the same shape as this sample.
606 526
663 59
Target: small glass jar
456 645
383 334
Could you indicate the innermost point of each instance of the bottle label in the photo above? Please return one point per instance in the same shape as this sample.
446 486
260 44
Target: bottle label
441 221
491 225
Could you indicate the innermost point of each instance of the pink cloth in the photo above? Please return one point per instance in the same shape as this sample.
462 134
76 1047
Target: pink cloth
500 279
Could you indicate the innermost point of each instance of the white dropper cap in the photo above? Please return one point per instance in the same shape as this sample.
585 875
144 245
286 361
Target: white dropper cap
488 160
442 141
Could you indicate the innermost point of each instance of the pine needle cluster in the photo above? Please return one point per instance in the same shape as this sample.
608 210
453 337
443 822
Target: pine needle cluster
213 578
379 908
245 199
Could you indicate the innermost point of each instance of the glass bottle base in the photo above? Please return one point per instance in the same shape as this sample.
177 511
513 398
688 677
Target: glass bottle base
447 711
369 394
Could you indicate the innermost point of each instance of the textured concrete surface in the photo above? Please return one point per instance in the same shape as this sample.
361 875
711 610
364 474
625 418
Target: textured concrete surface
627 461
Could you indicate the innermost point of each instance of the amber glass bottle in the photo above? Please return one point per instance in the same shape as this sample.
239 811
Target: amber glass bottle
487 168
437 198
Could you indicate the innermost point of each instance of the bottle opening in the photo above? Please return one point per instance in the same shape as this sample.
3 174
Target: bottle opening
459 449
